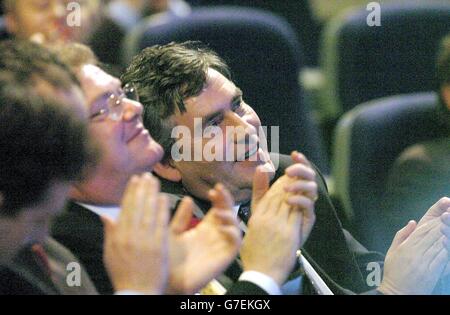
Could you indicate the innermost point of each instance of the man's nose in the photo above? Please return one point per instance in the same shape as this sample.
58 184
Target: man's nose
132 109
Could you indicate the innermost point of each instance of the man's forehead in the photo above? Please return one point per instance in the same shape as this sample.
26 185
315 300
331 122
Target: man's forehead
95 75
92 3
96 82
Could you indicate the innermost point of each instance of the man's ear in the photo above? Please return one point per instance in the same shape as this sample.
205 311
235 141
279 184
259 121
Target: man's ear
445 92
167 171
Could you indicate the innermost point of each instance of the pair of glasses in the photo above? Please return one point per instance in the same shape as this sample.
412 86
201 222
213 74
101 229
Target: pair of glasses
111 105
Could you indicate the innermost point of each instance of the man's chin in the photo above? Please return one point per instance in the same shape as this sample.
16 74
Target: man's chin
153 155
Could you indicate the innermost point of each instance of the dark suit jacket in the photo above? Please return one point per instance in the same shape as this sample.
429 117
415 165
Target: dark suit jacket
338 258
25 276
418 179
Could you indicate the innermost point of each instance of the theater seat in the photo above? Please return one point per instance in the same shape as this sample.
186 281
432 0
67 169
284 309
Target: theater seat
362 63
368 140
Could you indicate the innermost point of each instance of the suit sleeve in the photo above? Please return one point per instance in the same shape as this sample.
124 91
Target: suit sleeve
358 254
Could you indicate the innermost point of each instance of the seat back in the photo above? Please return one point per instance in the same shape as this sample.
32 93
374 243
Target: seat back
362 63
368 140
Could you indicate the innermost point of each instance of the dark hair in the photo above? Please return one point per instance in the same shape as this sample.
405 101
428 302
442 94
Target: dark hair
28 61
165 76
40 141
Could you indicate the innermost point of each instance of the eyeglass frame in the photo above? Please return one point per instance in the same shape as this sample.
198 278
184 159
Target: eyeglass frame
113 109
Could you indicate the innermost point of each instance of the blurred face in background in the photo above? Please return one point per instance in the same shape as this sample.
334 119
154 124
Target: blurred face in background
54 20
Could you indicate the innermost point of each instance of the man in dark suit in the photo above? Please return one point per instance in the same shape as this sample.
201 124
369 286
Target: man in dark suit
54 20
210 135
421 174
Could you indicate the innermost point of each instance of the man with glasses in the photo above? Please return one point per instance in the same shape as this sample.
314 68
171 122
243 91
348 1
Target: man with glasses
421 173
186 86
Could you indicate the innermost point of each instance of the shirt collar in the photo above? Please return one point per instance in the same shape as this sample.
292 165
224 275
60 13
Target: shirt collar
108 211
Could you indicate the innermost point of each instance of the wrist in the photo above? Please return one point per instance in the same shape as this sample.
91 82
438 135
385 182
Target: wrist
138 290
277 278
262 280
386 289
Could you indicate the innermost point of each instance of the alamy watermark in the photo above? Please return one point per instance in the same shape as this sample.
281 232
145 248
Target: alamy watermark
73 18
373 279
73 278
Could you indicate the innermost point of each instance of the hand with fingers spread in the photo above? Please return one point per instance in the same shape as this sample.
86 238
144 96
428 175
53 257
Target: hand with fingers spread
419 254
273 234
136 246
436 211
200 254
440 211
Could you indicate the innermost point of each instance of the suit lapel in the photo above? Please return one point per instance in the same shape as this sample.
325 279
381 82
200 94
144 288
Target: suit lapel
28 270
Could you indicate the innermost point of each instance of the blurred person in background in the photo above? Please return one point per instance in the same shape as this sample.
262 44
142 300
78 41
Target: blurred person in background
421 174
96 23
